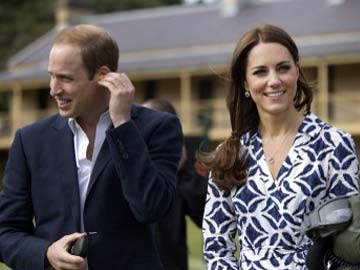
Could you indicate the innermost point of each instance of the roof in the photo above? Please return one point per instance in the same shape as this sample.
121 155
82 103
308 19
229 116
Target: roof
178 37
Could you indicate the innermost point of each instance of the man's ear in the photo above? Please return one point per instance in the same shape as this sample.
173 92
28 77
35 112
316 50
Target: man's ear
101 72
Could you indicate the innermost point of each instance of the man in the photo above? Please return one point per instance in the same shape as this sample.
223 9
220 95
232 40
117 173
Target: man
102 165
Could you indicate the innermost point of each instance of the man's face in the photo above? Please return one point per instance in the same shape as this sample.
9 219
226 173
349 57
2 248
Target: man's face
76 95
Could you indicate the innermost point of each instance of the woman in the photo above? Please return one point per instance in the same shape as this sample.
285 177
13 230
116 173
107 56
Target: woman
279 163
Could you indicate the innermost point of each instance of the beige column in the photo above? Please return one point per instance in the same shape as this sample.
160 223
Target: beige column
185 101
323 94
16 108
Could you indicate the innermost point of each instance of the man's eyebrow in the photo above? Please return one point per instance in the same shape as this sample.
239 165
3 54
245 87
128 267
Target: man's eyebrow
61 75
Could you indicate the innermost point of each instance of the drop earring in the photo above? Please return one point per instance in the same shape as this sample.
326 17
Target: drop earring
247 94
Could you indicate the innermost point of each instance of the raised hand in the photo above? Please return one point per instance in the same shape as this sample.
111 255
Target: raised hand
122 96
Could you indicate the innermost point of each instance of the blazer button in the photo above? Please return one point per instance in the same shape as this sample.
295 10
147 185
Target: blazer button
122 150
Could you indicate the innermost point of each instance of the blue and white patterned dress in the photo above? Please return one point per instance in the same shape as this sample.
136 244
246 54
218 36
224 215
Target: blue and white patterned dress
267 213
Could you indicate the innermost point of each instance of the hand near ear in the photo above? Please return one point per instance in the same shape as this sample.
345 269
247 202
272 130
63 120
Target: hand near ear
122 96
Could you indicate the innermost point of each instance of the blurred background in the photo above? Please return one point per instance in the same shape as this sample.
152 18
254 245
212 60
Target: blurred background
180 50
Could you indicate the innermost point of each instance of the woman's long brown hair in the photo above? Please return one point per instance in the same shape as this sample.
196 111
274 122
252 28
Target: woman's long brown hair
228 163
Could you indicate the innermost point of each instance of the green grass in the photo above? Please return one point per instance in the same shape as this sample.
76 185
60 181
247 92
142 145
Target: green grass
194 240
3 266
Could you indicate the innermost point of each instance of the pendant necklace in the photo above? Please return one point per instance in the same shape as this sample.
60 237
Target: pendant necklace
270 158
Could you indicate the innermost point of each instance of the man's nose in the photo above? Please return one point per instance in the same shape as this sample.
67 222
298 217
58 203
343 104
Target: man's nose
55 87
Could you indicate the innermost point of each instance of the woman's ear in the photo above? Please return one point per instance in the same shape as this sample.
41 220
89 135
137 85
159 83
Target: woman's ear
246 86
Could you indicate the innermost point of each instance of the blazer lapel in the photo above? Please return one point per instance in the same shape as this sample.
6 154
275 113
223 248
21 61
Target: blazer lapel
104 155
102 159
68 170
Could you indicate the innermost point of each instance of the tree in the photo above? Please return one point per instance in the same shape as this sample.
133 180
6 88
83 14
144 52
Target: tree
104 6
23 21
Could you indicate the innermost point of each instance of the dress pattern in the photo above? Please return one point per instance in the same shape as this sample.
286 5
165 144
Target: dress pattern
267 213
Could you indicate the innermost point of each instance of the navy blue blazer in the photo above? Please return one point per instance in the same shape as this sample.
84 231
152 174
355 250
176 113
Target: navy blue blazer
131 186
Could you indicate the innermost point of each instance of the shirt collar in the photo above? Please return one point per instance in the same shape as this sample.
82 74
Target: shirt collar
103 120
310 128
311 125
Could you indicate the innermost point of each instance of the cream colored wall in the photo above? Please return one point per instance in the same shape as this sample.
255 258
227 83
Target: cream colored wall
30 111
311 76
220 123
139 91
182 90
346 78
5 120
197 105
221 114
165 88
169 89
345 94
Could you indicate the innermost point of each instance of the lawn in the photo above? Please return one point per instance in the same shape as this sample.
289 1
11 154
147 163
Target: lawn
3 266
196 261
194 240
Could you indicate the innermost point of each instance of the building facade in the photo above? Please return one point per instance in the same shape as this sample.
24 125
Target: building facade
182 53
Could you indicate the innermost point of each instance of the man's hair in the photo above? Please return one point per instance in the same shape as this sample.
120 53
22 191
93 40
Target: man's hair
98 47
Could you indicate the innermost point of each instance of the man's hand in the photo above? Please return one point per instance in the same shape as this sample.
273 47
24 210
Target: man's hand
122 96
59 257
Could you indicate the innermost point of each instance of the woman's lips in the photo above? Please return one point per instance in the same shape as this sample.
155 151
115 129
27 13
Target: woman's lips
275 94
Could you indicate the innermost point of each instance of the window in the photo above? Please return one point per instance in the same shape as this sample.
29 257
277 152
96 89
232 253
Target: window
150 90
4 101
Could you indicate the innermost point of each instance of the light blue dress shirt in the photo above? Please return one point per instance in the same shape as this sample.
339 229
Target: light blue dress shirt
84 165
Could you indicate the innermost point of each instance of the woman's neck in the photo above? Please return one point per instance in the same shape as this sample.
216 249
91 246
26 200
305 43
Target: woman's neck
272 126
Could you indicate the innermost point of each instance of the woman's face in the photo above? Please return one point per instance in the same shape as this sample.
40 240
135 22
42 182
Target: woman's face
271 77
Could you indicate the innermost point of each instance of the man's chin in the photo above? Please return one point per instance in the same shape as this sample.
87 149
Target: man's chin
65 114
